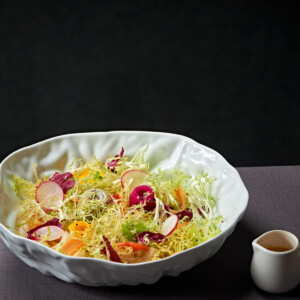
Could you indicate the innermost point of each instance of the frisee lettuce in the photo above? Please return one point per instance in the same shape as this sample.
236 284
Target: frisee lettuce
113 218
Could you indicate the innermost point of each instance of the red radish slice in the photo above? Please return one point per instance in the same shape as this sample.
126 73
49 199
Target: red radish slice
169 225
133 178
51 233
49 194
51 228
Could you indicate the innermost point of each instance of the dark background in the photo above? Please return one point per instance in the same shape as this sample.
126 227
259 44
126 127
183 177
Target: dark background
225 73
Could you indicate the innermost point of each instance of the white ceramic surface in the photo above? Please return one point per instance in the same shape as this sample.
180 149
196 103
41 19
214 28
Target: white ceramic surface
165 151
276 272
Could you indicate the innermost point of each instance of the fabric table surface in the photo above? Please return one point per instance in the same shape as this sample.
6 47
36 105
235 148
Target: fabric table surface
273 204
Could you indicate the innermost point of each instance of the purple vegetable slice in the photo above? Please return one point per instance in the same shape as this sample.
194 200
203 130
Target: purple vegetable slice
113 255
64 180
151 236
201 213
185 213
112 164
143 194
52 228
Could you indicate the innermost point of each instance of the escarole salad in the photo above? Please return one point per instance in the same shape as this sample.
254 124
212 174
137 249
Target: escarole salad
117 210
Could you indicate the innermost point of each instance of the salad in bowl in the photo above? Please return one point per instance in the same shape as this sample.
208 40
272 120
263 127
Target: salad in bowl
117 209
121 207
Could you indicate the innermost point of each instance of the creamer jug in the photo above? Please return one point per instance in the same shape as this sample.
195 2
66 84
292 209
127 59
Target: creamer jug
275 265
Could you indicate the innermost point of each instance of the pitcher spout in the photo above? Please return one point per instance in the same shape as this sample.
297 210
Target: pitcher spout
255 244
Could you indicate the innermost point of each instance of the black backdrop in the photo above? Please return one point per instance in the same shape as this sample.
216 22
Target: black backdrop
225 73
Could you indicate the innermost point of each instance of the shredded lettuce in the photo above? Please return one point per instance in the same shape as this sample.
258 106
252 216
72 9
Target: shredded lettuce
99 199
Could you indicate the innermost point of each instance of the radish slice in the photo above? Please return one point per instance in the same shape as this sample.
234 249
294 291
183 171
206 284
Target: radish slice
51 230
49 194
169 225
133 178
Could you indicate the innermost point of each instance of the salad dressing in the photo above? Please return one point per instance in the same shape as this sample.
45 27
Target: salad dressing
277 248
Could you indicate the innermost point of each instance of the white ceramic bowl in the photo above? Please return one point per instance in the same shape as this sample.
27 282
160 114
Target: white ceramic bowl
165 151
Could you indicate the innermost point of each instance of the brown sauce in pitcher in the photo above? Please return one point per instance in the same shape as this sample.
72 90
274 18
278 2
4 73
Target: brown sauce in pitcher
278 248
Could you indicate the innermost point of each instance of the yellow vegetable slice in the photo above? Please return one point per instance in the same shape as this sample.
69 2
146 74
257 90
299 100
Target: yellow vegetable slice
79 226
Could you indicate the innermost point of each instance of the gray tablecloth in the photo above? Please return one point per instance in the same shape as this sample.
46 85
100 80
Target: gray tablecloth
274 204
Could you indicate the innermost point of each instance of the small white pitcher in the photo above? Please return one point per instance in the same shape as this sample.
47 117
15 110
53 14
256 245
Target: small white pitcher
275 265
